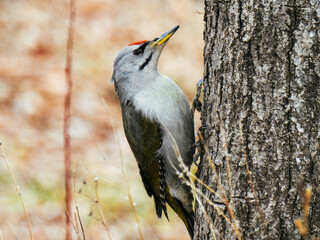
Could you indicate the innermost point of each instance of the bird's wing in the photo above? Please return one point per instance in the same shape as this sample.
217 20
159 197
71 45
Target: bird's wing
144 137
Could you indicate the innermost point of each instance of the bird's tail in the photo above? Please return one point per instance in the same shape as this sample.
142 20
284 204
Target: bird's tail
188 220
186 217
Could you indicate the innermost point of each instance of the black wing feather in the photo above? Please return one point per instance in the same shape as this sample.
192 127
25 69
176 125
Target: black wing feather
144 137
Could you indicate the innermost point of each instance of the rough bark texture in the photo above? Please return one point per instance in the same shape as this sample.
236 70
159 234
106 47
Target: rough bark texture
262 100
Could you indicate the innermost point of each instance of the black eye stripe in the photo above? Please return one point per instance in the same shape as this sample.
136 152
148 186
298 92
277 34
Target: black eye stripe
143 46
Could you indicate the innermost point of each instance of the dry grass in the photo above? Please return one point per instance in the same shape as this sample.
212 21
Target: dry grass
77 217
18 191
186 175
302 223
101 214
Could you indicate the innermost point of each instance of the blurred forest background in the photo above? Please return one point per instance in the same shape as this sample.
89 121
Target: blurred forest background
33 36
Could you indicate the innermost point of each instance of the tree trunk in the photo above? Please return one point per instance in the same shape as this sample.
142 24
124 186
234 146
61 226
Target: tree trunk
262 109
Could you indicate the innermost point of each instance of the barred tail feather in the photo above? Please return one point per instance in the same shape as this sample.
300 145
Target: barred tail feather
162 187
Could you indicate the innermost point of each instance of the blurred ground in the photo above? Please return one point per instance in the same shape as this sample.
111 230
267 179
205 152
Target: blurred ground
32 85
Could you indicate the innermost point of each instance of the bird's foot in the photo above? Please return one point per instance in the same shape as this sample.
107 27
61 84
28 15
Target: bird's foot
196 104
199 145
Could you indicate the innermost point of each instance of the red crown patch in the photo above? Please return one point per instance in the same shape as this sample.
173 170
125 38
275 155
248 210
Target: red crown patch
137 43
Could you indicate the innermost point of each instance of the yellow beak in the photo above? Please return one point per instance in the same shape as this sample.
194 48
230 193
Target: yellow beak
164 37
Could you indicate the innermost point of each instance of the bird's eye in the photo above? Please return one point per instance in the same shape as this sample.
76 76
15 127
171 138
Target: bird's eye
138 51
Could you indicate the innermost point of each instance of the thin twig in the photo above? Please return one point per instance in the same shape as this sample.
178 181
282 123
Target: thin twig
96 200
209 220
206 186
62 204
81 225
233 225
218 210
18 191
77 224
185 170
133 205
220 187
67 118
77 213
228 203
225 201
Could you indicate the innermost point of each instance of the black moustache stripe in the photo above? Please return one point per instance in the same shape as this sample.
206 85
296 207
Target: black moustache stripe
146 62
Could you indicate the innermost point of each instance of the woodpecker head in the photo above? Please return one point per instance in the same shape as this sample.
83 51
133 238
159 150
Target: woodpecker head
139 58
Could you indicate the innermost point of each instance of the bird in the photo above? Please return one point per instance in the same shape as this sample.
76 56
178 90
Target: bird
158 125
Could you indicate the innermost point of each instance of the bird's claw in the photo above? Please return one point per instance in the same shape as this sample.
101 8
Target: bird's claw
196 104
199 145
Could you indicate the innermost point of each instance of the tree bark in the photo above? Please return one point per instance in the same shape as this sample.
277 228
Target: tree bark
262 109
